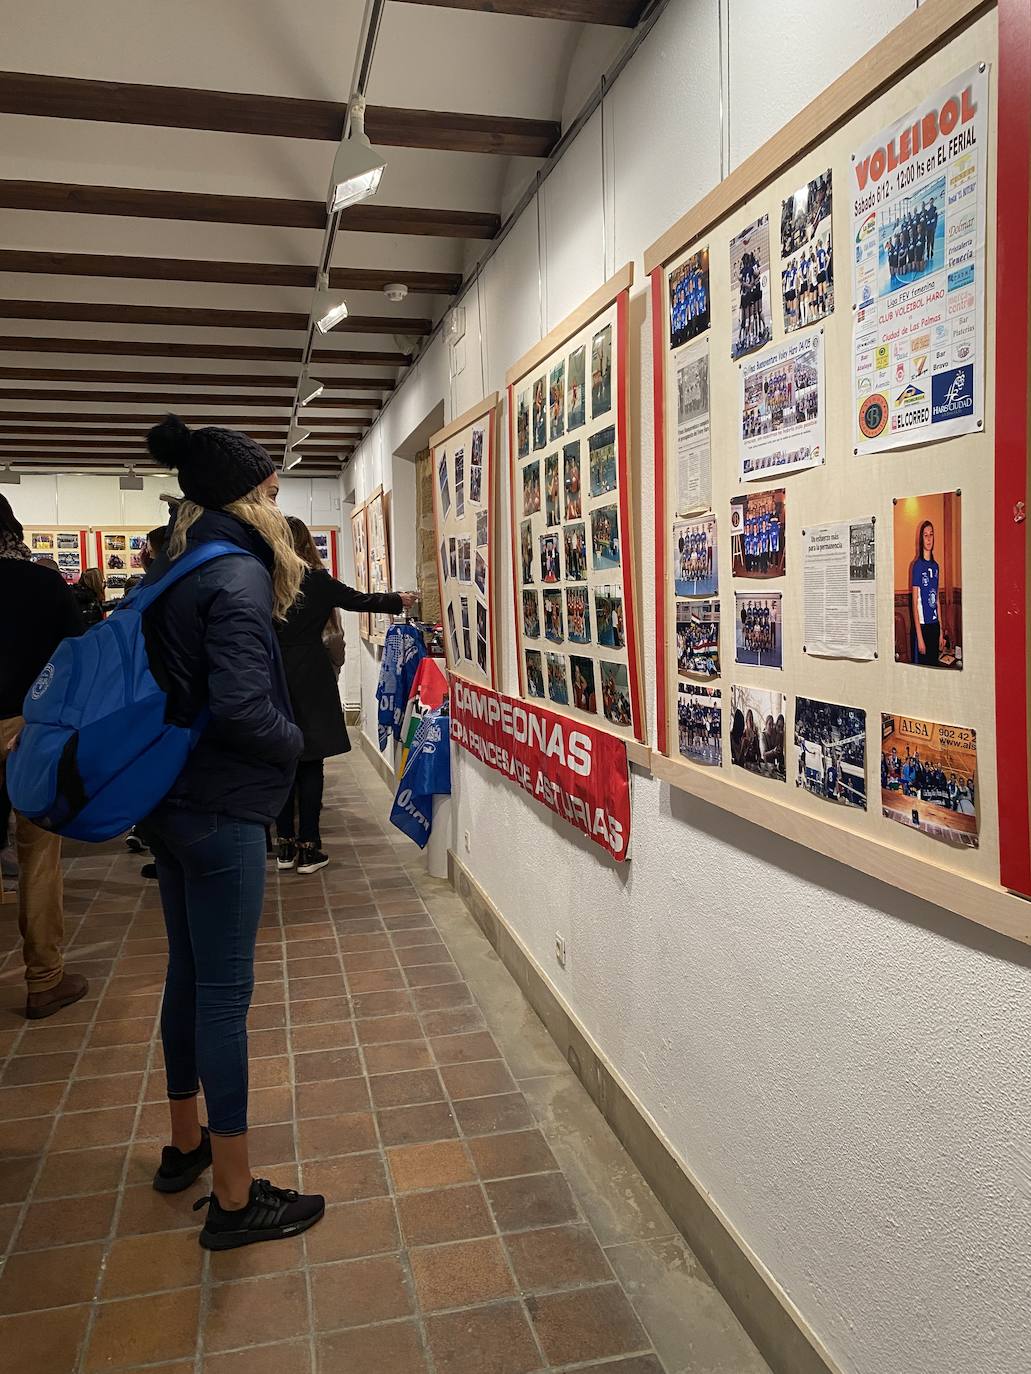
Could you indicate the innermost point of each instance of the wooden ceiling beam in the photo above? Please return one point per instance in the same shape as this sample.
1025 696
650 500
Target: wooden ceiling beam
153 414
622 14
370 217
313 463
202 317
178 400
152 348
281 382
228 272
57 438
116 102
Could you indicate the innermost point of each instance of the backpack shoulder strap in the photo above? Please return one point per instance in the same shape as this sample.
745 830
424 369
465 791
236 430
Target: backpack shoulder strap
186 563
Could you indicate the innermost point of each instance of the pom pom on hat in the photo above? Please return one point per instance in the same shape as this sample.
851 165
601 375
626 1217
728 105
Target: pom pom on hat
215 466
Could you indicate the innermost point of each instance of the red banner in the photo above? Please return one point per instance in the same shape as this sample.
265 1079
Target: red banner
576 771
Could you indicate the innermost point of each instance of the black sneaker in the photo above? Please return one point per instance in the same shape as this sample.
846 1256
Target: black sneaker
149 871
179 1170
134 844
310 858
286 855
271 1214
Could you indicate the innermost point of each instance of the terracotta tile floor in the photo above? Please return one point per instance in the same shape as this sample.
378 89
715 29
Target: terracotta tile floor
453 1242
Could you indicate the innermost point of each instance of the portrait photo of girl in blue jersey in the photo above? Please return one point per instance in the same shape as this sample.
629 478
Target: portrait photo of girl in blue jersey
928 581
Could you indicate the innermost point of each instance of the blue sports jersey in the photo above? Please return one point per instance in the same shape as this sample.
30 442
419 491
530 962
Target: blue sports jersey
925 579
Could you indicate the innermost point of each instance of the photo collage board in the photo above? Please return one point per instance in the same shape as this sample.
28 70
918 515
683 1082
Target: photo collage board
64 545
360 545
572 523
826 601
379 558
463 510
120 556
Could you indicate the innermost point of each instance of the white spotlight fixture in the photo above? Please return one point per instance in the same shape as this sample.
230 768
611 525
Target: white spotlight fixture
296 434
357 167
329 309
308 388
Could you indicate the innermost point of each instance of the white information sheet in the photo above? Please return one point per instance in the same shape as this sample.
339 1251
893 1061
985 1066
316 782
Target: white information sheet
917 195
839 587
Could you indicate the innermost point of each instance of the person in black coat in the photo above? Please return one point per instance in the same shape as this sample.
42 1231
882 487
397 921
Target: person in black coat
39 611
212 647
314 695
89 596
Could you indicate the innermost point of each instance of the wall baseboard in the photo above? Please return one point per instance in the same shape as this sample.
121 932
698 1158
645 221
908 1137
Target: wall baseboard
378 762
775 1325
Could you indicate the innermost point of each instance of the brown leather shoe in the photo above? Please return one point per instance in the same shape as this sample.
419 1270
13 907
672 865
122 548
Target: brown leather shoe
71 988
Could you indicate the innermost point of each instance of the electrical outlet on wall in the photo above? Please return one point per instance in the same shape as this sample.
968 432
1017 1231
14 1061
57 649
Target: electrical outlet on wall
560 949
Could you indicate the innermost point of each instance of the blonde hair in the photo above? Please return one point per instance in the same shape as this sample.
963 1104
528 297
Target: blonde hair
94 579
263 515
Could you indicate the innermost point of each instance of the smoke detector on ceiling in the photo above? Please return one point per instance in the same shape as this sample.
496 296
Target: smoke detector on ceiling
395 291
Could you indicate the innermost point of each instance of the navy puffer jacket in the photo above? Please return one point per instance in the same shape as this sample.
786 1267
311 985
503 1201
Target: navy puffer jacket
211 642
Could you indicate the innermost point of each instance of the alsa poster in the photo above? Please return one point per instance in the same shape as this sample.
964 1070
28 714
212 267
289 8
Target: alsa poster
929 778
576 771
917 193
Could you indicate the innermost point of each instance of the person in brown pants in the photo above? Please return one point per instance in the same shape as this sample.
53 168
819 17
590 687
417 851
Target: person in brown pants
37 611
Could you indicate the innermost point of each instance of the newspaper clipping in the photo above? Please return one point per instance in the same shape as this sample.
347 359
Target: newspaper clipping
694 458
782 409
840 590
917 195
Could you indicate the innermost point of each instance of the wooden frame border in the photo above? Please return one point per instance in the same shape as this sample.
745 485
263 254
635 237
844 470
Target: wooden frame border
361 512
491 403
469 418
931 879
615 291
572 324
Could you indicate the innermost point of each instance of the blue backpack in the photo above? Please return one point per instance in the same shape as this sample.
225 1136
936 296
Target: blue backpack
96 754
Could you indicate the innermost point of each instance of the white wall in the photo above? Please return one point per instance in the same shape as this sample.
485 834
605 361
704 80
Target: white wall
843 1067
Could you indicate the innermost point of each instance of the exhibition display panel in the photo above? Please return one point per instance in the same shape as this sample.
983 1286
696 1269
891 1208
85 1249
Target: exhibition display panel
378 507
572 526
462 457
67 545
120 555
360 544
841 613
324 538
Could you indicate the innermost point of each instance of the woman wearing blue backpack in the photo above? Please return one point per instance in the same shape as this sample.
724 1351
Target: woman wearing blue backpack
212 646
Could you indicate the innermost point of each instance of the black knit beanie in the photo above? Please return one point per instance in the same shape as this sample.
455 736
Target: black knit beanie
215 466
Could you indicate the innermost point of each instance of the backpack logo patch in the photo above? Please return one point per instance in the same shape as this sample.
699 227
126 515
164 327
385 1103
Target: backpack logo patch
42 683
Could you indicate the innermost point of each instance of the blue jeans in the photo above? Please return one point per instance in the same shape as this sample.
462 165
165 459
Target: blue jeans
211 872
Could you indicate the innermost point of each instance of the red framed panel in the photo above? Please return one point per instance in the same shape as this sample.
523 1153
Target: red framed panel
1012 378
615 292
484 415
661 547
